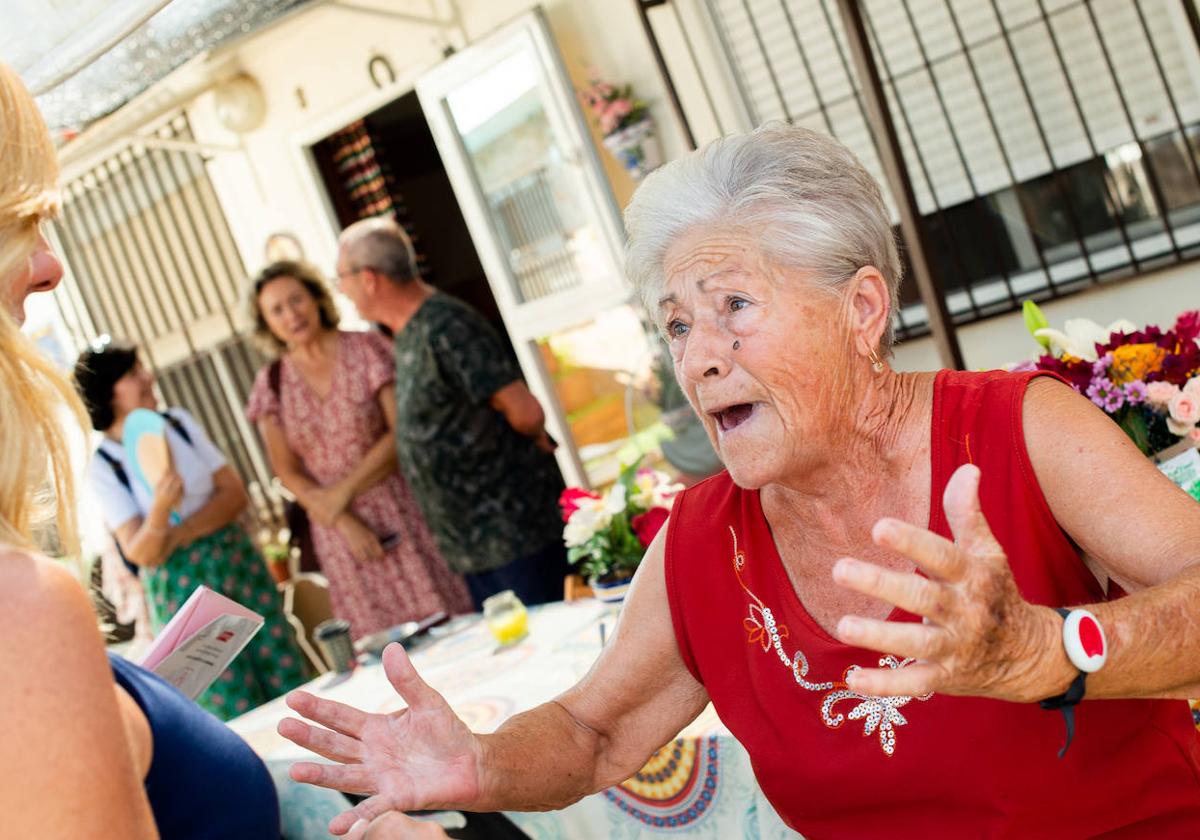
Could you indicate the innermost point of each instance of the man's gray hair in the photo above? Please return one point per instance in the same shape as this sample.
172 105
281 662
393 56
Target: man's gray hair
802 194
381 244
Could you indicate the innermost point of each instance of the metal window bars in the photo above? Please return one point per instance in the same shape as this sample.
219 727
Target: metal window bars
1051 144
150 258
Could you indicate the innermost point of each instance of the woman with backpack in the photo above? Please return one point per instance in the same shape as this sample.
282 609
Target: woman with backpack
204 544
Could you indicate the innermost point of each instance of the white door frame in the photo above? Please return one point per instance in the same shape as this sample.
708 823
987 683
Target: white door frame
527 322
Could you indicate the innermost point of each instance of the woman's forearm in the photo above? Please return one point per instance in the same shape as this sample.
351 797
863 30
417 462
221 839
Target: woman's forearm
1153 641
377 464
150 544
541 760
225 505
1153 645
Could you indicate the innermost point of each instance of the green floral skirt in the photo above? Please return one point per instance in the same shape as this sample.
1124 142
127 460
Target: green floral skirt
227 562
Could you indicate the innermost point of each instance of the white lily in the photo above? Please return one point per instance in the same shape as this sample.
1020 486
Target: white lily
614 500
584 523
1079 336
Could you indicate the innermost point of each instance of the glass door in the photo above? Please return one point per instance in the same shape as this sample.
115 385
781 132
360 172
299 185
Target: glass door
524 170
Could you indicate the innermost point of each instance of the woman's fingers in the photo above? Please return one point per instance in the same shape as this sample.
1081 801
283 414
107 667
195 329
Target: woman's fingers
348 778
915 680
905 590
964 514
906 639
366 810
325 742
407 682
933 554
328 713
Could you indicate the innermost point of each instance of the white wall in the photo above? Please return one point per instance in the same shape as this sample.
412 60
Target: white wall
322 54
1154 298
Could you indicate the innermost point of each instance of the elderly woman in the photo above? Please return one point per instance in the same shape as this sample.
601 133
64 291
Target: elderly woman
868 596
326 409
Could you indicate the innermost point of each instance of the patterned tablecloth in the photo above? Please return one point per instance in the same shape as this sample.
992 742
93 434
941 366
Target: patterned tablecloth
700 785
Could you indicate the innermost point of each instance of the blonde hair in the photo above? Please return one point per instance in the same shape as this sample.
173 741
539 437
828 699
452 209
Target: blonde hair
32 392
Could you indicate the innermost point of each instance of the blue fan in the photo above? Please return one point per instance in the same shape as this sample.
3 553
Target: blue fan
146 449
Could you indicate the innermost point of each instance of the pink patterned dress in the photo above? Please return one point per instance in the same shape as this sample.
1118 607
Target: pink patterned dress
331 436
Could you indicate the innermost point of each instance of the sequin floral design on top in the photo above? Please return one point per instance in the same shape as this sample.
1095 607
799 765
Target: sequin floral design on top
879 714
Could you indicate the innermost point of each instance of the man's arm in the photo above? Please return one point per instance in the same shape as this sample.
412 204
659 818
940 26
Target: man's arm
523 412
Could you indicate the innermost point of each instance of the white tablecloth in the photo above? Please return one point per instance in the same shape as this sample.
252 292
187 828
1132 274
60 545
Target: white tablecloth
700 785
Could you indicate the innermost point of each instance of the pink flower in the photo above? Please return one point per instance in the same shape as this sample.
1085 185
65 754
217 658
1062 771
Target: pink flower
1185 408
1160 394
647 525
1194 434
569 500
1193 386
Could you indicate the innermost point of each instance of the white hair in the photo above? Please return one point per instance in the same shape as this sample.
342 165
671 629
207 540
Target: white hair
805 196
380 243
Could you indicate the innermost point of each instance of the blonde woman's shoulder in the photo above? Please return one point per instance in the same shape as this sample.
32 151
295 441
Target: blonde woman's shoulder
43 606
66 767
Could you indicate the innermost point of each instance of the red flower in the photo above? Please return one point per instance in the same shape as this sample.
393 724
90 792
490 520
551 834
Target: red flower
647 525
1187 327
1077 372
569 500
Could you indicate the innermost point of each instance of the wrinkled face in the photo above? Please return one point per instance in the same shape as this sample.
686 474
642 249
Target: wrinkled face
40 273
768 403
290 310
134 390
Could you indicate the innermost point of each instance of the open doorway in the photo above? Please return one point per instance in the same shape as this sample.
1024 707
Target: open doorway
387 162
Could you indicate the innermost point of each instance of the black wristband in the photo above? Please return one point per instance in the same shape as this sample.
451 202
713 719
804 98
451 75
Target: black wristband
1068 700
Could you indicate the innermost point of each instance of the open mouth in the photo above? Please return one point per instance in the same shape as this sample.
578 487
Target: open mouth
730 417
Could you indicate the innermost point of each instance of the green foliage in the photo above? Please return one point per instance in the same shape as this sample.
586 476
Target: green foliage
1035 320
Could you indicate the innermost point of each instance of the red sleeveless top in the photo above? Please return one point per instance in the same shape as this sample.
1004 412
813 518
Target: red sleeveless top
839 764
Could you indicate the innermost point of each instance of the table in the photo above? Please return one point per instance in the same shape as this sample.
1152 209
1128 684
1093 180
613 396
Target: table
700 785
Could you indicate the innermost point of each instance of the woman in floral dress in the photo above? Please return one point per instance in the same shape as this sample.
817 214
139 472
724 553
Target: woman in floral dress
326 409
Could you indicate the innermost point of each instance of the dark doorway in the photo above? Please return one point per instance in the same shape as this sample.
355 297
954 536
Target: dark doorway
388 160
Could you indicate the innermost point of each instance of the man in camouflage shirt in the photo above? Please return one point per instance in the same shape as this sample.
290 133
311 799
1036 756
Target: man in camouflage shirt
470 437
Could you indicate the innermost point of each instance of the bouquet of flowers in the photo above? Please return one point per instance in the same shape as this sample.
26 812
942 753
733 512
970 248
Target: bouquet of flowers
613 107
1147 380
608 534
625 123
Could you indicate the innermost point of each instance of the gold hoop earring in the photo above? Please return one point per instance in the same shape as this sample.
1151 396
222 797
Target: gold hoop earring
876 362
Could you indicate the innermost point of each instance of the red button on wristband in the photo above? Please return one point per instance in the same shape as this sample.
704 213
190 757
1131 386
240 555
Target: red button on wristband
1083 639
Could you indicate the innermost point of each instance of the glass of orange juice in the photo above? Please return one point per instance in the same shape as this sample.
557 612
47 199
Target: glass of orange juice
506 617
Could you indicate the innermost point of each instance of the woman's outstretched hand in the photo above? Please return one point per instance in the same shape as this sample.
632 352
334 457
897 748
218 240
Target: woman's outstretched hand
421 757
979 637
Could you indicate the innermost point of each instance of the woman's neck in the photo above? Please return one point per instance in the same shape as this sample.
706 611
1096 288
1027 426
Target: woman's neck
322 348
878 448
117 429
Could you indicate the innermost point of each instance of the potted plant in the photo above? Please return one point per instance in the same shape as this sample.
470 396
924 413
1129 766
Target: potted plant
276 552
606 535
1147 380
626 125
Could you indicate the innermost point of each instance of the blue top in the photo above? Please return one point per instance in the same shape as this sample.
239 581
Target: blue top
204 781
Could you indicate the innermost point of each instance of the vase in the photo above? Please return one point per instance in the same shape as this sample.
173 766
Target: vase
637 148
280 571
611 590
